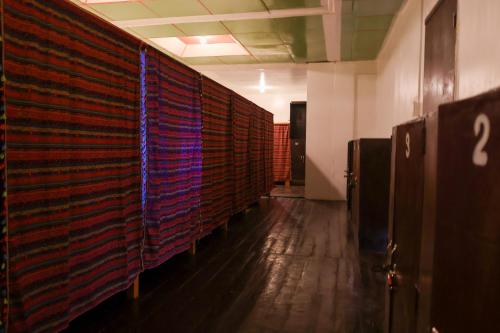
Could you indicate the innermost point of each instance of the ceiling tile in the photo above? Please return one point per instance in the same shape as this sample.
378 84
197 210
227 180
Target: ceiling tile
380 22
346 47
286 4
202 28
246 26
174 8
274 58
202 61
347 6
259 38
156 31
238 60
371 7
366 44
124 10
348 23
268 50
234 6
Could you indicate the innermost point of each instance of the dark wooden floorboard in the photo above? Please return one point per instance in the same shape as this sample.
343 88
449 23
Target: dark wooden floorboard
286 265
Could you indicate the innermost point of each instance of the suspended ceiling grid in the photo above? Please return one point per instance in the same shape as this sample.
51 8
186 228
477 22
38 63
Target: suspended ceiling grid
293 39
298 39
365 24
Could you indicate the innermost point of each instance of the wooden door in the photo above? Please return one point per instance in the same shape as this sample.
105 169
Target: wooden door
373 186
466 269
405 226
298 141
355 189
439 63
349 173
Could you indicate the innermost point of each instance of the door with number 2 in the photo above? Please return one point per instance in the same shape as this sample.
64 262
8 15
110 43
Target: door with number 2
466 273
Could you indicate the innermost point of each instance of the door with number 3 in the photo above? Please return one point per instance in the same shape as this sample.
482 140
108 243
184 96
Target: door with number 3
405 220
466 268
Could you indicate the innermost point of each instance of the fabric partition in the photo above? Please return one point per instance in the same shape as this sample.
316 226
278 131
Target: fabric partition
74 214
255 147
173 138
242 110
4 303
268 150
282 156
217 185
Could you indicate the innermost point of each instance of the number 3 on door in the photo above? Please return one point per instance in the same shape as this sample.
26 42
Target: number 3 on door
481 127
408 150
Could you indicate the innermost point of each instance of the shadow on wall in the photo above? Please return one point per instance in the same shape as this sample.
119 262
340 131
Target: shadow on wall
319 186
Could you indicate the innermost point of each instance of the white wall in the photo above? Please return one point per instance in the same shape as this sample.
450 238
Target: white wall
331 95
285 83
400 62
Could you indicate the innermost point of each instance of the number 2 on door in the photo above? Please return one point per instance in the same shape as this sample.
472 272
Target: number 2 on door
481 127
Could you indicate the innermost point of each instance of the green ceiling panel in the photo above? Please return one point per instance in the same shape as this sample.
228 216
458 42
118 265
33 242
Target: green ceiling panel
381 22
234 6
348 23
156 31
124 10
232 60
371 7
174 8
202 61
259 38
366 44
346 47
247 26
287 4
275 58
365 24
202 29
268 50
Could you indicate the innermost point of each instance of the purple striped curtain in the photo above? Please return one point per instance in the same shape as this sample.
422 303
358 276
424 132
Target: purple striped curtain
173 139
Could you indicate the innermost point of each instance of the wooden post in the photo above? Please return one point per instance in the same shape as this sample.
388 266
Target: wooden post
193 248
226 227
133 290
287 184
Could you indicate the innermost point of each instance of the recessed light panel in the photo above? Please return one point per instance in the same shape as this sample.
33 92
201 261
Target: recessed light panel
201 46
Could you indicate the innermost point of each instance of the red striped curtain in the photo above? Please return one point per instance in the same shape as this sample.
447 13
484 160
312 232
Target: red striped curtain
242 110
3 203
282 156
217 184
256 158
72 98
173 112
268 150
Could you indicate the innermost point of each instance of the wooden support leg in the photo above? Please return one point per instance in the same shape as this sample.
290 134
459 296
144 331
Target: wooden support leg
226 227
193 248
287 184
133 291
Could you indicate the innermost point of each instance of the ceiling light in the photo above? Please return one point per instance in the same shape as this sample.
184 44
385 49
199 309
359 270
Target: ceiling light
201 46
203 40
262 82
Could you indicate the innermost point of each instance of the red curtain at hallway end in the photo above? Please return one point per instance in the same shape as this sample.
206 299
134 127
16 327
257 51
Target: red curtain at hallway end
282 157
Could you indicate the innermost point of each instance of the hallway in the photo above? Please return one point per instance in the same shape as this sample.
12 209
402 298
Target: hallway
287 265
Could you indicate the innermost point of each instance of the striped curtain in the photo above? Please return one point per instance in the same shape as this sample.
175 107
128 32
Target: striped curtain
4 303
217 186
256 161
173 113
73 162
242 111
282 156
268 150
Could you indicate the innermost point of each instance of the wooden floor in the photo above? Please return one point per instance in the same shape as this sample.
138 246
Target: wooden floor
286 265
288 192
